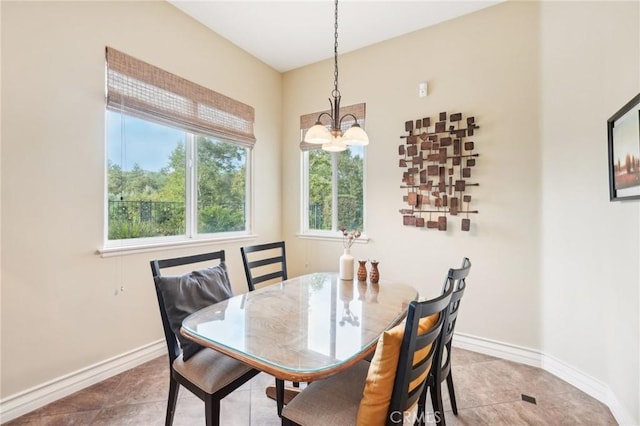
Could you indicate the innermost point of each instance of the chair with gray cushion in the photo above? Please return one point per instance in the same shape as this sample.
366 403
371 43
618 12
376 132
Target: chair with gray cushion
338 399
208 374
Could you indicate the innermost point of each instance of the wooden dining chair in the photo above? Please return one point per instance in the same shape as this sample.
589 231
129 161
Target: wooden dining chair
456 280
264 263
208 374
386 390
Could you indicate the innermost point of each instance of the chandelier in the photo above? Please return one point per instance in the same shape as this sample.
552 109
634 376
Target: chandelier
334 140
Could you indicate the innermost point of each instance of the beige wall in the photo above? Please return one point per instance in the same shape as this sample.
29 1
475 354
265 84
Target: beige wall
485 64
555 263
61 308
591 250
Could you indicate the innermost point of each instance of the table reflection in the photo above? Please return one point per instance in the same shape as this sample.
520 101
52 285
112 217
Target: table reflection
334 319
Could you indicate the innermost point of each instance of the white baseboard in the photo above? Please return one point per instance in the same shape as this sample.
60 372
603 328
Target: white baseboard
586 383
502 350
26 401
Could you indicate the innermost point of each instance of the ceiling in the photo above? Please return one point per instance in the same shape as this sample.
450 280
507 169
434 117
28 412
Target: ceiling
291 34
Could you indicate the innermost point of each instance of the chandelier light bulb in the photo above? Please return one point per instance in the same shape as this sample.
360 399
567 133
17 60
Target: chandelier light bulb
334 145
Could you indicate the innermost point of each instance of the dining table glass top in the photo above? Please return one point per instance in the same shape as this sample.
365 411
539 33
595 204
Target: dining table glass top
302 328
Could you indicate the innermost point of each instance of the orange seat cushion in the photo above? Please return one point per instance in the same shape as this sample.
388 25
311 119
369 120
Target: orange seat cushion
378 387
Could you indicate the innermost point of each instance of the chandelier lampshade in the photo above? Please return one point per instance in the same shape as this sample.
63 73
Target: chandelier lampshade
318 134
355 136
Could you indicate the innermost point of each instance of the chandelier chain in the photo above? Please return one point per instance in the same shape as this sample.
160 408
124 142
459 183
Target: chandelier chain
336 92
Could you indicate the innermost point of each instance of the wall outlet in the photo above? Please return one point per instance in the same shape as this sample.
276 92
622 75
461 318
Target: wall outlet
422 89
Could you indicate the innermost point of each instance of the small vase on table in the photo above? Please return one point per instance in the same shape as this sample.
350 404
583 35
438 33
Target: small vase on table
346 265
375 274
346 260
362 270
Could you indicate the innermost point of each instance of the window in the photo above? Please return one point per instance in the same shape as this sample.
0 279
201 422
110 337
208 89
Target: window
333 183
148 176
178 157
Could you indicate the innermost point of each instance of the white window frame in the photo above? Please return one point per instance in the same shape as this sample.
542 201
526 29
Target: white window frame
143 90
191 236
333 234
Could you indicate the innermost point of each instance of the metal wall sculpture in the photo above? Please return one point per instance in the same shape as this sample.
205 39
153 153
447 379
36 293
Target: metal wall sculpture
437 162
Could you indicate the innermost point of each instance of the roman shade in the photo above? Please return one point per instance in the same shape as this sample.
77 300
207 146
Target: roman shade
148 92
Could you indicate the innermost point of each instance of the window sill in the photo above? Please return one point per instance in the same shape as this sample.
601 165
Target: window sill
321 236
157 246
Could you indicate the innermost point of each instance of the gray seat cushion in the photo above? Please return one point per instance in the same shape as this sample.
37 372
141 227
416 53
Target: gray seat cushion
331 401
188 293
210 370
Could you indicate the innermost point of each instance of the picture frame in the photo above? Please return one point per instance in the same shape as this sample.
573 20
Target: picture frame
623 132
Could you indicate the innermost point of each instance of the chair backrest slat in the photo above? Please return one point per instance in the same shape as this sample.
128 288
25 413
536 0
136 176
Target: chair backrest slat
268 277
261 247
185 260
414 395
267 261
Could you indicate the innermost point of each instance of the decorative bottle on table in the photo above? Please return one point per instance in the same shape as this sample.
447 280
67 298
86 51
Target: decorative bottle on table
346 265
375 274
346 260
362 270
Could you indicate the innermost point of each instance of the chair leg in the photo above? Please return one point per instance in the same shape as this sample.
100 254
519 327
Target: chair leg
287 422
279 395
296 384
212 410
174 387
452 394
422 407
436 401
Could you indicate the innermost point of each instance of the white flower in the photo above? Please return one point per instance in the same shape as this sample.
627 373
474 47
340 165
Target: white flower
349 237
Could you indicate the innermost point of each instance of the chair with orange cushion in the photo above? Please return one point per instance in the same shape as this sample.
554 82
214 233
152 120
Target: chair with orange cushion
386 390
457 282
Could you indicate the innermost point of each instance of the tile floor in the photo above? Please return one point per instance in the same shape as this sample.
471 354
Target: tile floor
488 391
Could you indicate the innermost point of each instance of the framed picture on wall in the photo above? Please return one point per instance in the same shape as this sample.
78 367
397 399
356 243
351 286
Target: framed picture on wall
623 130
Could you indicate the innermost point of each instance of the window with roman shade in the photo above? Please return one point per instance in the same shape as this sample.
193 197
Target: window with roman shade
178 158
333 182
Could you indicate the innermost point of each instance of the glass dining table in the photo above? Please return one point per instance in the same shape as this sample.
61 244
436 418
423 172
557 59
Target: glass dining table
302 329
